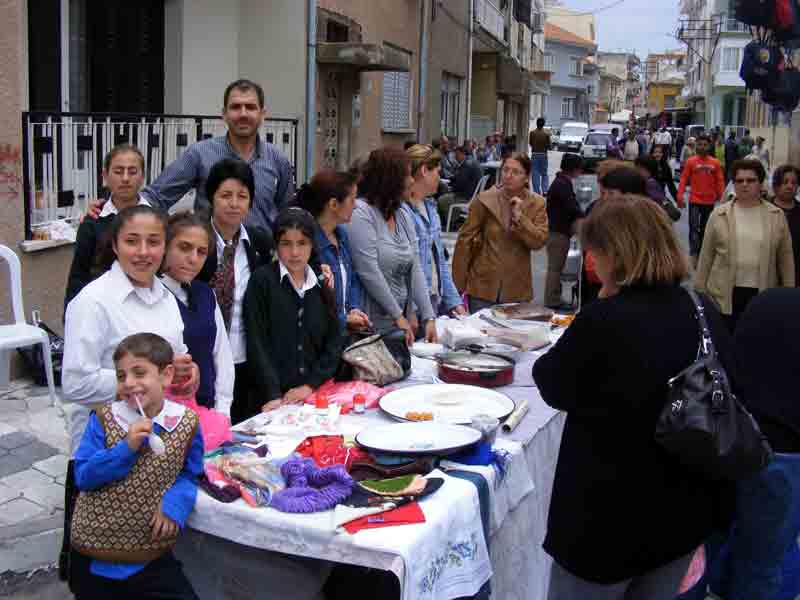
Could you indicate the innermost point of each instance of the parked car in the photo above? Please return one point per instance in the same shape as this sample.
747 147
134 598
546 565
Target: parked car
594 148
571 138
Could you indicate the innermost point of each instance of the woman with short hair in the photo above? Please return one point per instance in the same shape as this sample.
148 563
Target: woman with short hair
747 247
385 248
492 259
617 527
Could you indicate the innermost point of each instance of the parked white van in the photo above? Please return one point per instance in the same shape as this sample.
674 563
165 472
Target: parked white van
572 135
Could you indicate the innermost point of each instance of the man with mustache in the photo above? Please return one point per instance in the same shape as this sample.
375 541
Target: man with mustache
243 112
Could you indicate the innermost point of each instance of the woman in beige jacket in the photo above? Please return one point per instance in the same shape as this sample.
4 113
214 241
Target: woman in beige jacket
747 247
492 261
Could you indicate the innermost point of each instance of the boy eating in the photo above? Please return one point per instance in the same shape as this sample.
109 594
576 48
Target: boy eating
133 500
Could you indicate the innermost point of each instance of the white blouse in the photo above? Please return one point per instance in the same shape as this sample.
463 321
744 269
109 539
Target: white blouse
105 312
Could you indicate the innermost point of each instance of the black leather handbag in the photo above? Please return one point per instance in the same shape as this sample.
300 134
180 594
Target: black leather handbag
703 423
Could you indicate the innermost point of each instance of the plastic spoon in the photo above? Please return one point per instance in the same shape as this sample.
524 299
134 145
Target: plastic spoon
155 442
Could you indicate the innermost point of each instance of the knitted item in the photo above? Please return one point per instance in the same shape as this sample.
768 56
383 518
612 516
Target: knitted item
311 489
113 522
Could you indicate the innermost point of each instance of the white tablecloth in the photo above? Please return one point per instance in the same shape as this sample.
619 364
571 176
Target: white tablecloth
424 557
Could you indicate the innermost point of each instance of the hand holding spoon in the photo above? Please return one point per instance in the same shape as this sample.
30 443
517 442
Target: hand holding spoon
156 443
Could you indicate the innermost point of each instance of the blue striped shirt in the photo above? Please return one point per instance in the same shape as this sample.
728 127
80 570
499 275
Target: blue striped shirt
271 169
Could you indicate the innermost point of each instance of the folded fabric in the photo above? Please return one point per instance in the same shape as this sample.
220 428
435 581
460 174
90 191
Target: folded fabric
404 515
361 470
328 450
310 488
364 498
343 514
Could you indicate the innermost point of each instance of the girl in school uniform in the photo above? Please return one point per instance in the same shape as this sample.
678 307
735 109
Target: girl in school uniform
294 340
189 237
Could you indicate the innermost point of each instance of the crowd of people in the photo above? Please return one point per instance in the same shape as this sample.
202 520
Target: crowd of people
247 303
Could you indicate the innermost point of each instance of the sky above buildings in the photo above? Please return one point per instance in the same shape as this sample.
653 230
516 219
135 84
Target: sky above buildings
641 25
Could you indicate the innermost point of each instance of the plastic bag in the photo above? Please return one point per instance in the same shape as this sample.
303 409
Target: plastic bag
215 426
342 393
34 359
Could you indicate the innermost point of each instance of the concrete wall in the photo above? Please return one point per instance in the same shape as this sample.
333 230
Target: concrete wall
581 24
272 50
562 55
794 140
484 86
43 273
780 154
382 21
553 107
448 50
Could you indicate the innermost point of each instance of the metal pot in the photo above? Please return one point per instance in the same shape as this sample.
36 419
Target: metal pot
471 367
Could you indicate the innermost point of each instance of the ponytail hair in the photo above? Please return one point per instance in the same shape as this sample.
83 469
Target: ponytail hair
315 195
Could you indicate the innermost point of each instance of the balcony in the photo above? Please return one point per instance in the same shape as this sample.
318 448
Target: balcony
491 19
728 24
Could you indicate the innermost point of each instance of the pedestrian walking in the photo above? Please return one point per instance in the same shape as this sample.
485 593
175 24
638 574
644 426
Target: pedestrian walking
785 185
747 247
540 144
731 154
703 174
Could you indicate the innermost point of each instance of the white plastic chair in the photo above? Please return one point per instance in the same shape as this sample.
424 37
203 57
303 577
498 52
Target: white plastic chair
462 206
20 333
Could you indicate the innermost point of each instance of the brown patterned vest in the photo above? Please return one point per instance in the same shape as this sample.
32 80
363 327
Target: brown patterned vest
113 522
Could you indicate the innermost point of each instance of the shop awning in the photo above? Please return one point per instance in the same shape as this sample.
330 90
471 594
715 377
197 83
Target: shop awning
363 57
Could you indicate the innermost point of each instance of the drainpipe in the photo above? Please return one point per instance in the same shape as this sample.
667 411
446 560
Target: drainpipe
311 88
468 110
423 66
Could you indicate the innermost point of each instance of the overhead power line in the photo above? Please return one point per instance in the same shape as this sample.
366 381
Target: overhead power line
570 13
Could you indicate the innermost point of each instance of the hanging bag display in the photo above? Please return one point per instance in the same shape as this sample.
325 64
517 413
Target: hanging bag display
761 65
703 423
756 13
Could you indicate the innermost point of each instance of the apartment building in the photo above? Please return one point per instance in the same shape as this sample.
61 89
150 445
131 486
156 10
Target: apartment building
575 79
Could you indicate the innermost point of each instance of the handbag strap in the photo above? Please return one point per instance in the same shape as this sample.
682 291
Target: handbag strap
706 342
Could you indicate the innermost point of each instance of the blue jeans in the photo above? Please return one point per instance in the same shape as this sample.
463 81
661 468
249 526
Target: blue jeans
760 559
539 169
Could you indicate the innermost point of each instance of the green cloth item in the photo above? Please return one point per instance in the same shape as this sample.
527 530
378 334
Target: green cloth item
395 485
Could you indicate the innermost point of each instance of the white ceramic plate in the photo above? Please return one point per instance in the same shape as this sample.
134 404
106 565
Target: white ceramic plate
426 349
450 403
418 438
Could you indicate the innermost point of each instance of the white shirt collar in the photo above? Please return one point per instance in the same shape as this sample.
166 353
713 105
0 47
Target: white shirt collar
110 209
169 417
221 241
175 287
121 286
310 282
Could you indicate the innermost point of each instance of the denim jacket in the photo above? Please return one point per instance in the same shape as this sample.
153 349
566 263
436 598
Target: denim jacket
429 232
329 255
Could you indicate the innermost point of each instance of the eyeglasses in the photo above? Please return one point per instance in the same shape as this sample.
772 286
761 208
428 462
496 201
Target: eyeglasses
746 180
512 172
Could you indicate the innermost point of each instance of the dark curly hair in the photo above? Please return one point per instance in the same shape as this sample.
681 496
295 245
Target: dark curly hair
780 174
230 168
383 179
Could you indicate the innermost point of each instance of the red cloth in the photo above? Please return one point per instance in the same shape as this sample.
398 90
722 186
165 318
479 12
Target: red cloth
327 450
408 514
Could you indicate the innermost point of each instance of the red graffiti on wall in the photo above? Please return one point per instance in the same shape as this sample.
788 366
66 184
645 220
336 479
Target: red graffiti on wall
10 178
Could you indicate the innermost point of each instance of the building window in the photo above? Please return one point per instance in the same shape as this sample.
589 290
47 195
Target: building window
451 104
731 59
576 67
567 108
549 62
396 100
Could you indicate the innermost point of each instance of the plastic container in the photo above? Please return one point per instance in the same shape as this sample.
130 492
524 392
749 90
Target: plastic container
359 404
321 403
